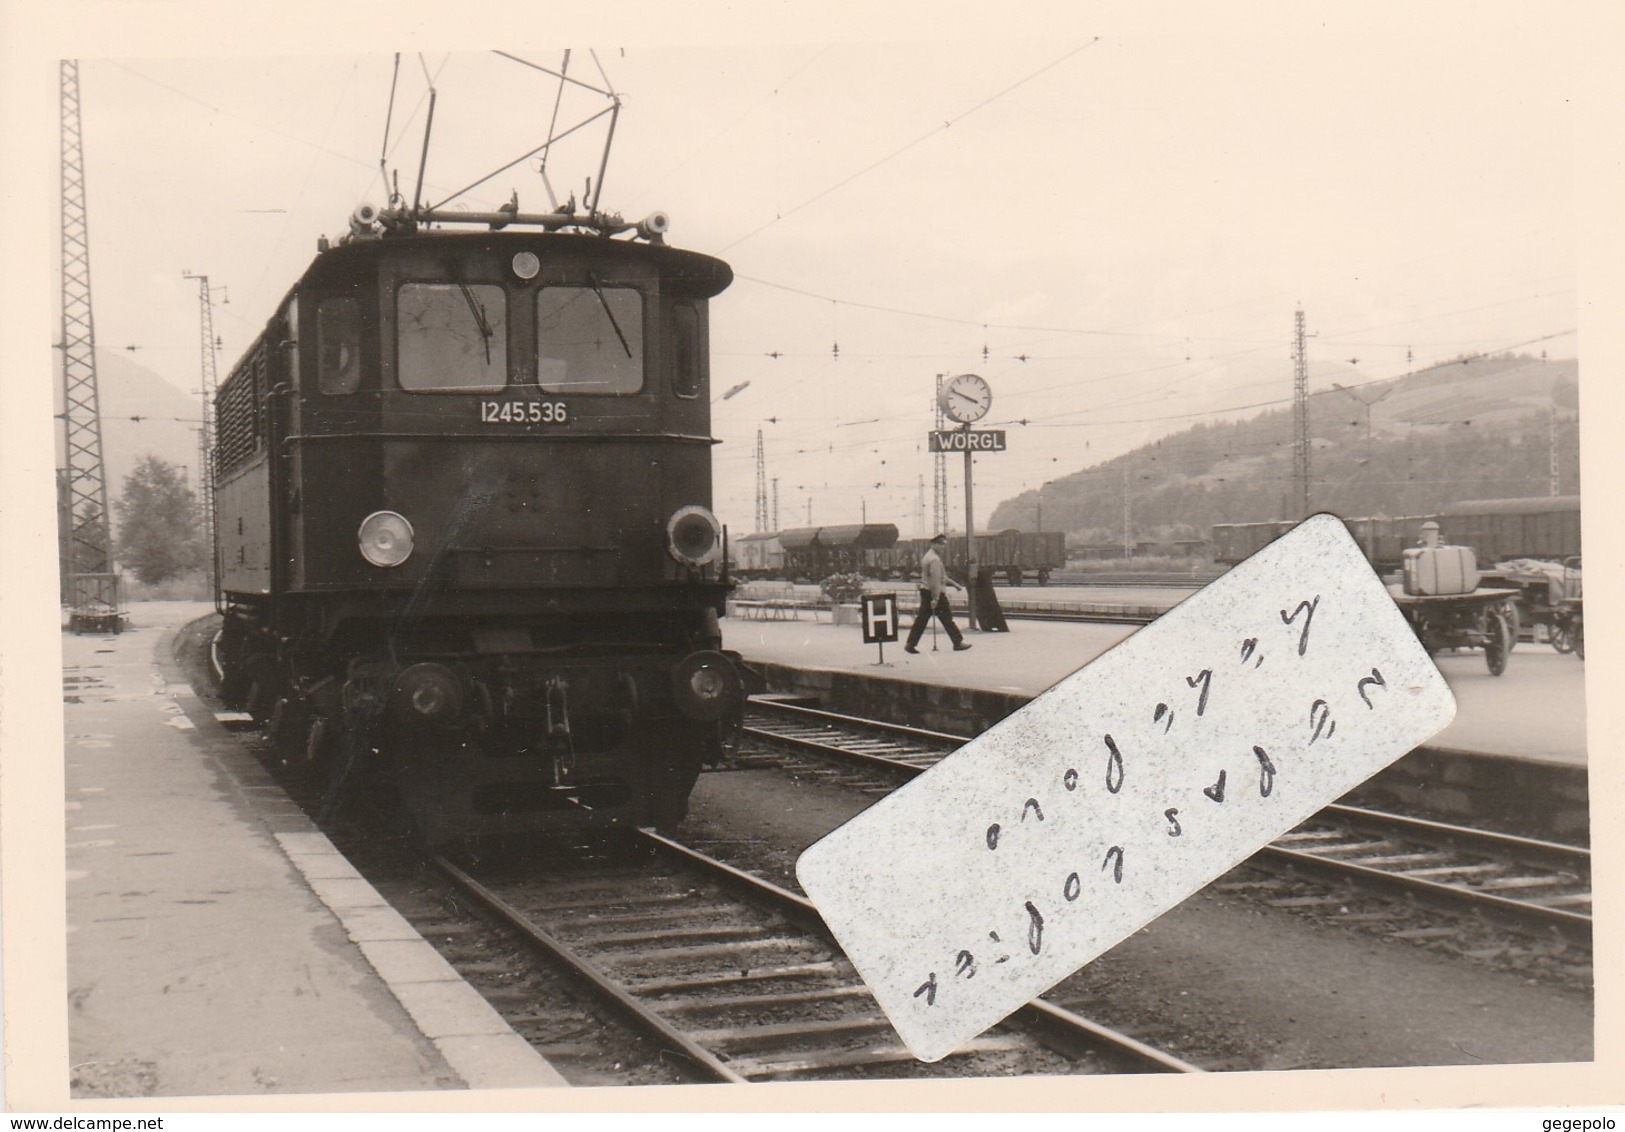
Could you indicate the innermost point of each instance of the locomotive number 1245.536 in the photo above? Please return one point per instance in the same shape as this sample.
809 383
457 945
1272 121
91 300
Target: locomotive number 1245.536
522 412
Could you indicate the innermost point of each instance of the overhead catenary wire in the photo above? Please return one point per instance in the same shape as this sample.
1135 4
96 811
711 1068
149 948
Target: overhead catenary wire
1103 333
828 448
556 74
1285 400
665 173
872 166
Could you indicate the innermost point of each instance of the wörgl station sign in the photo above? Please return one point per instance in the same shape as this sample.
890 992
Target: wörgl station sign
968 440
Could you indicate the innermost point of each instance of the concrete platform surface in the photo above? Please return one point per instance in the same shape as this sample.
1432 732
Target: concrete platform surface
217 943
1535 710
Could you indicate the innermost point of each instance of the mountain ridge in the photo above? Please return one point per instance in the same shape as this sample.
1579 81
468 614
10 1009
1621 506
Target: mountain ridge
1476 427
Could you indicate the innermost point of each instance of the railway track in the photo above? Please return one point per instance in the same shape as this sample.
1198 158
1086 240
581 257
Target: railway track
1523 882
740 980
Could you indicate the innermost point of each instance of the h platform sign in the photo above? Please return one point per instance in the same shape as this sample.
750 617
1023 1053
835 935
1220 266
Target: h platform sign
879 618
879 621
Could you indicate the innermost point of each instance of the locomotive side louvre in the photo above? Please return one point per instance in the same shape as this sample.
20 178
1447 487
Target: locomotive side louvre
243 469
463 494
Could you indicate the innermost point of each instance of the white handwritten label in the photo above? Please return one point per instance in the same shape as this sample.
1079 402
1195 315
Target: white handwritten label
1126 787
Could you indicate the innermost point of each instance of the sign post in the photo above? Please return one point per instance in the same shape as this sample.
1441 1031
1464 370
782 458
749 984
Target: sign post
970 546
879 621
966 398
969 441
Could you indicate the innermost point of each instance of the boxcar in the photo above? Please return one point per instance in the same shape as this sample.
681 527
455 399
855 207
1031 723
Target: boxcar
1545 527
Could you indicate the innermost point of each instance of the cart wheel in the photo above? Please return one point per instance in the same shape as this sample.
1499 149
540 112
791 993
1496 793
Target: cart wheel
1579 639
1562 639
1497 641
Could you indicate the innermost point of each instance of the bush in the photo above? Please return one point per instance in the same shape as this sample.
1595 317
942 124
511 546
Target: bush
159 535
193 585
840 588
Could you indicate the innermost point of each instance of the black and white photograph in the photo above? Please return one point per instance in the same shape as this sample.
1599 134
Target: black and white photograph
588 560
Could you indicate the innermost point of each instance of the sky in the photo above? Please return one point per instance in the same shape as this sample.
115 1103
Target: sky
1113 228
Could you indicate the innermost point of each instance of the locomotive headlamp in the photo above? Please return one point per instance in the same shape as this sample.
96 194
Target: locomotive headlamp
693 535
385 538
706 686
427 694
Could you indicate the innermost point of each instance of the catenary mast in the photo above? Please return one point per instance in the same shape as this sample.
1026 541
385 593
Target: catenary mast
205 435
1300 417
92 594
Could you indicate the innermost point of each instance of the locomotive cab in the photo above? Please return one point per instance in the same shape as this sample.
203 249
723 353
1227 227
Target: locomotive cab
465 544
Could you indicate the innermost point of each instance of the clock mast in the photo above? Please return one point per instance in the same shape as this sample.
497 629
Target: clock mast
966 398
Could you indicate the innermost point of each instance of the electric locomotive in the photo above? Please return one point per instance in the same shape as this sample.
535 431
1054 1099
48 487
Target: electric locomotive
465 550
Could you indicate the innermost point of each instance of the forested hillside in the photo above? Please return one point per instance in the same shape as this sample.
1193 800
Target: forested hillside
1479 428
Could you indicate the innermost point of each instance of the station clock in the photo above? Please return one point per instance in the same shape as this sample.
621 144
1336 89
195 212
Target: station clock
965 398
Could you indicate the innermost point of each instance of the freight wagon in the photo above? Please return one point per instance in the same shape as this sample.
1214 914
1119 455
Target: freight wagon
1530 545
1498 530
811 554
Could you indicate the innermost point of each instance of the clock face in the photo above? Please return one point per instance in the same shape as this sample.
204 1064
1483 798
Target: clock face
966 398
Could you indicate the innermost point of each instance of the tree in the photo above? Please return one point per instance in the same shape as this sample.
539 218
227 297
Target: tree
159 534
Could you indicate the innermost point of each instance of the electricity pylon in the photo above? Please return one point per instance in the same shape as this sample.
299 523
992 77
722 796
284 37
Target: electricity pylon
92 596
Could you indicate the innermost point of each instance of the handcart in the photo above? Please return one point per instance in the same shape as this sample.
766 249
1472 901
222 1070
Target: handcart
1568 613
1484 619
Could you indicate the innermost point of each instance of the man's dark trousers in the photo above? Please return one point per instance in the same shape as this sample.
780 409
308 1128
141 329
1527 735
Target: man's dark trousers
944 614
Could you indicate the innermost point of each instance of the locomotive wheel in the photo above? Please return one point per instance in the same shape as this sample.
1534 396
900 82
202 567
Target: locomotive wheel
1498 641
1562 639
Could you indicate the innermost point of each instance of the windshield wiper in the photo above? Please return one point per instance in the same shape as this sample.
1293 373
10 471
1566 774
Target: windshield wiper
603 302
475 309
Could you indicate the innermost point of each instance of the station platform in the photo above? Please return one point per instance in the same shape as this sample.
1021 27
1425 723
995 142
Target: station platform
1535 710
217 943
1515 755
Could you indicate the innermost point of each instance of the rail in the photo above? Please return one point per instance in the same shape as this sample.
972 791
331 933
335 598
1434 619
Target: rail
1524 882
686 946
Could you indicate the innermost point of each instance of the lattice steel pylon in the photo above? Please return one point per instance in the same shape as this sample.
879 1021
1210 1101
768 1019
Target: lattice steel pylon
1300 417
92 595
205 435
939 470
761 484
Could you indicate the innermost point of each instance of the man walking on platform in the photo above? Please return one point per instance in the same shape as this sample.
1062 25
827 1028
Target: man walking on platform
933 577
